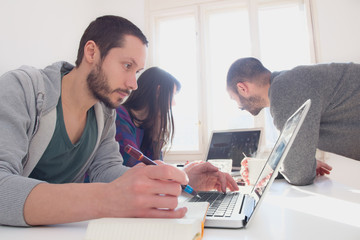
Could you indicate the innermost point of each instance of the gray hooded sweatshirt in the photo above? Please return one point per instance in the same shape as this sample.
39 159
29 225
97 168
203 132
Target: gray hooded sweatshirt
27 121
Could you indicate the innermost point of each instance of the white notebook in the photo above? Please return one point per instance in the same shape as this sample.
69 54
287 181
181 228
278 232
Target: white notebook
190 227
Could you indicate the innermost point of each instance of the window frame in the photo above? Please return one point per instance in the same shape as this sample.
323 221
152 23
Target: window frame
158 9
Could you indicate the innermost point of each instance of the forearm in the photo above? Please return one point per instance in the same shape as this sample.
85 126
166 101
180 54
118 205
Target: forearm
140 192
299 167
63 203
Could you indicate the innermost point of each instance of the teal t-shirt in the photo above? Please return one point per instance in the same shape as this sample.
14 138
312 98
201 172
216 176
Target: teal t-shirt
62 160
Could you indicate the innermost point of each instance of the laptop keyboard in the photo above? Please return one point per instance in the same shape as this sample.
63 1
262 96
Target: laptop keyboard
221 204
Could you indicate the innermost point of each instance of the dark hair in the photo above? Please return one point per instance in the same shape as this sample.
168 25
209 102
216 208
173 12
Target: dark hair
245 69
154 95
108 32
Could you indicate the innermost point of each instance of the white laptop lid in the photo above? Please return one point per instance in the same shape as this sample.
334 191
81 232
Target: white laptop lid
232 144
275 159
245 208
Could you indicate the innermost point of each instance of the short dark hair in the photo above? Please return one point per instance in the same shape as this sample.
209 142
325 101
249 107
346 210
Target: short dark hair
155 94
245 69
108 32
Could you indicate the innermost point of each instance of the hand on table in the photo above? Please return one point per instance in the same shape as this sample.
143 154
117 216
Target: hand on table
322 168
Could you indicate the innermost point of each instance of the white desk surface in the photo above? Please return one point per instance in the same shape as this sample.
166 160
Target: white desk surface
328 209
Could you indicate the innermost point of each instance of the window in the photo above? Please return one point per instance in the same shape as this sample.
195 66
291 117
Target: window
225 43
176 53
197 41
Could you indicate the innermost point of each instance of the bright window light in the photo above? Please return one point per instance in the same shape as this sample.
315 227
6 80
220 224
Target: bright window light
225 45
283 45
198 42
177 54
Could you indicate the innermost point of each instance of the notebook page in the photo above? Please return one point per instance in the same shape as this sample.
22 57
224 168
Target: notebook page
190 227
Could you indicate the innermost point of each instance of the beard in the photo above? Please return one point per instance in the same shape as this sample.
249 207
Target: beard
253 104
98 85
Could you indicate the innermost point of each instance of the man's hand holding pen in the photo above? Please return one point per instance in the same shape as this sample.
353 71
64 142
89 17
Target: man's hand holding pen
138 155
146 191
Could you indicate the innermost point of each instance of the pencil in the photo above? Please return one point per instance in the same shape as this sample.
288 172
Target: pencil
135 153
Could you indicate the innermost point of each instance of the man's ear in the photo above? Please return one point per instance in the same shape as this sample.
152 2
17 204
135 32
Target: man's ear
91 52
242 88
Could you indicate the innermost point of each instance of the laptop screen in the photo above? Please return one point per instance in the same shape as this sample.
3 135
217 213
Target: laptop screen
233 145
278 154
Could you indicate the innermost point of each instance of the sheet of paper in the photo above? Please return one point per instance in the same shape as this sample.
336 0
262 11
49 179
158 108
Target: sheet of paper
224 165
188 228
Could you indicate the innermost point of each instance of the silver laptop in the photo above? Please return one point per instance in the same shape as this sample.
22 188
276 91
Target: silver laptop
233 145
235 210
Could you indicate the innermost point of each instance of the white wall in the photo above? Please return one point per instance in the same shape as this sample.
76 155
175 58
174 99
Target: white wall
337 25
40 32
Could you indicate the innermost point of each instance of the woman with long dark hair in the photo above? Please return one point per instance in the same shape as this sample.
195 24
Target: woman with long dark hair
145 120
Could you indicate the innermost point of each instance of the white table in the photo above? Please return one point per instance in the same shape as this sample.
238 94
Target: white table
327 209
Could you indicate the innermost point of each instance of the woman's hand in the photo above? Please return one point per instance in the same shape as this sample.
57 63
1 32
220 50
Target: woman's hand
203 176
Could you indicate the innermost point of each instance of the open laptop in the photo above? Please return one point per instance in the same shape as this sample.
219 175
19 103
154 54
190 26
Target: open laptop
232 145
234 209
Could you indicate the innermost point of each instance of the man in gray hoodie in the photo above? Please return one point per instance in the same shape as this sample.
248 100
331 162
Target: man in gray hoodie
333 121
57 124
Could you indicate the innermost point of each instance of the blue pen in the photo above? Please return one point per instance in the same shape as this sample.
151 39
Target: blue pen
141 157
